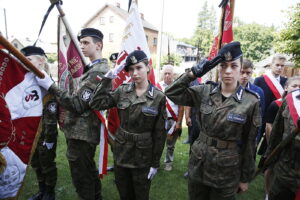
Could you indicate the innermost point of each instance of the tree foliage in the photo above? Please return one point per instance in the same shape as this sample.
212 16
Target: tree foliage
256 40
173 59
288 40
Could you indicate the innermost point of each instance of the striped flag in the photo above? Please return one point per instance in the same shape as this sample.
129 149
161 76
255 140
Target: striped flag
134 38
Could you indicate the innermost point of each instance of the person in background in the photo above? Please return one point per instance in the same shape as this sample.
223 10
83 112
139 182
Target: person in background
43 159
174 117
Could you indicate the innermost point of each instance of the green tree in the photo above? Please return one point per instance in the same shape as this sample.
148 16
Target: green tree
174 60
288 40
256 40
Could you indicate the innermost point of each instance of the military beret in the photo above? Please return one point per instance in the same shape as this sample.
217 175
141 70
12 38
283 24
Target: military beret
113 56
33 50
231 51
134 58
91 32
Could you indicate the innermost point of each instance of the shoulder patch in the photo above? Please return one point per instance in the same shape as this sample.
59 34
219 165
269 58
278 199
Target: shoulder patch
52 107
252 92
86 95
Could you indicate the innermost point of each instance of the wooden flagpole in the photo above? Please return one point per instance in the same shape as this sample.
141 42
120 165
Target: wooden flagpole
7 45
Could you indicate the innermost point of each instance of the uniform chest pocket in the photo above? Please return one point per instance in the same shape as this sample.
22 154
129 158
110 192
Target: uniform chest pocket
150 111
123 104
206 109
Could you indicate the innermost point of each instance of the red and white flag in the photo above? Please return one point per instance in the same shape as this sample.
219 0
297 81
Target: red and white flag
70 69
293 102
227 35
133 39
21 107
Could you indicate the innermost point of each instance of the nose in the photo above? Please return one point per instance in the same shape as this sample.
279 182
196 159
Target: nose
228 70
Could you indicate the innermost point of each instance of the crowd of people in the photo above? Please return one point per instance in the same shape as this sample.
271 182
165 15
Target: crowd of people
227 120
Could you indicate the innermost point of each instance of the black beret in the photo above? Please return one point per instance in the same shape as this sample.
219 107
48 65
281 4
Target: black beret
231 51
33 50
113 56
134 58
91 32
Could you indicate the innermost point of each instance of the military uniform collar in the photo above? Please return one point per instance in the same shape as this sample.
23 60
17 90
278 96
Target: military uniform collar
237 95
149 92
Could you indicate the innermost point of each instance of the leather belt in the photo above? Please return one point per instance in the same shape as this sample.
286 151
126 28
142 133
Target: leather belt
215 142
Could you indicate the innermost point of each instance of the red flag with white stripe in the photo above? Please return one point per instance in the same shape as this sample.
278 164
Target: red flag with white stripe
293 102
21 108
70 69
134 38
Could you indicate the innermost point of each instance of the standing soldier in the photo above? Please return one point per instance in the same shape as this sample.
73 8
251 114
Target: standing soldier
174 114
221 161
43 160
141 136
286 178
82 125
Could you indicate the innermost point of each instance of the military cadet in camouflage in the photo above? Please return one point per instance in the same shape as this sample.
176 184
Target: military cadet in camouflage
141 137
286 171
43 160
221 161
82 126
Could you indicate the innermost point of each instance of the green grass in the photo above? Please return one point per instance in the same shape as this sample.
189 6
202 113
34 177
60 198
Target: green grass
165 186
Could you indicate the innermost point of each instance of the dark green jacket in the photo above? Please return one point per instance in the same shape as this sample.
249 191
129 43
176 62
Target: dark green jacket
81 122
49 121
287 167
141 136
222 155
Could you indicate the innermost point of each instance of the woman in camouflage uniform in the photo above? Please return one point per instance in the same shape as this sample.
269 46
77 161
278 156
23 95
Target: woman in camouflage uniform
140 139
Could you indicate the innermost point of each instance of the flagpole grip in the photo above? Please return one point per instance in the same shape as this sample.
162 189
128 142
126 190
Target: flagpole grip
73 38
7 45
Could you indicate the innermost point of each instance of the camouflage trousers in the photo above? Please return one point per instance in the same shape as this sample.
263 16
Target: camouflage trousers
43 162
280 191
199 191
132 183
84 173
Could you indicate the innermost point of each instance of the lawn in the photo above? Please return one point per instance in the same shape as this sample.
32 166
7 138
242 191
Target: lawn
165 186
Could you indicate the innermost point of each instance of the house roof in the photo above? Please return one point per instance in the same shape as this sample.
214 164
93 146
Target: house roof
123 13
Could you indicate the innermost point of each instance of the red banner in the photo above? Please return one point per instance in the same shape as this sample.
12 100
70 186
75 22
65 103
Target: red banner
21 109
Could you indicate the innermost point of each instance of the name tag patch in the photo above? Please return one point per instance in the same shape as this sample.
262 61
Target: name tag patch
238 118
150 110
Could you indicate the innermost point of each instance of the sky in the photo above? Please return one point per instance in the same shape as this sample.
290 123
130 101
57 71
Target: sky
24 18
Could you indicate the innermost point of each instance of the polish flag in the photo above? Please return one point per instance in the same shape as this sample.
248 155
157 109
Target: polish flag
21 107
134 38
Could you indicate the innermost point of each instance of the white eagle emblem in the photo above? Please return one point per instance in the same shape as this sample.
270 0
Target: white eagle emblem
52 107
86 95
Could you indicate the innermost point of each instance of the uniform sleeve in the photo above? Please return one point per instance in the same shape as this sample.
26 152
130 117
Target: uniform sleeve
102 98
159 134
248 148
271 112
79 102
50 116
180 93
277 130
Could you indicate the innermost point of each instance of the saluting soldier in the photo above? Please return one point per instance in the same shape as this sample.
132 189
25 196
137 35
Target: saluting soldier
221 160
82 125
140 139
43 160
285 180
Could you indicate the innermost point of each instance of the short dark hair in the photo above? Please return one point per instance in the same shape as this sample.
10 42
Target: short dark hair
247 64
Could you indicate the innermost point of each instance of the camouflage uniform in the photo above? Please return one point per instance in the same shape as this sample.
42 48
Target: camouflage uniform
222 155
139 140
286 170
81 129
43 160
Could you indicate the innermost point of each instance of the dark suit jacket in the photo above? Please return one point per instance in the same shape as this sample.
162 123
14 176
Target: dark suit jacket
269 96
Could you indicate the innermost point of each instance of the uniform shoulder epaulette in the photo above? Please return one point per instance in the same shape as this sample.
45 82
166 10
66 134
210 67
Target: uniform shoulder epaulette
252 92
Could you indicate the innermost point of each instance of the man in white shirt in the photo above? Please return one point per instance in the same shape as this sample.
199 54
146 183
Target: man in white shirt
174 120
